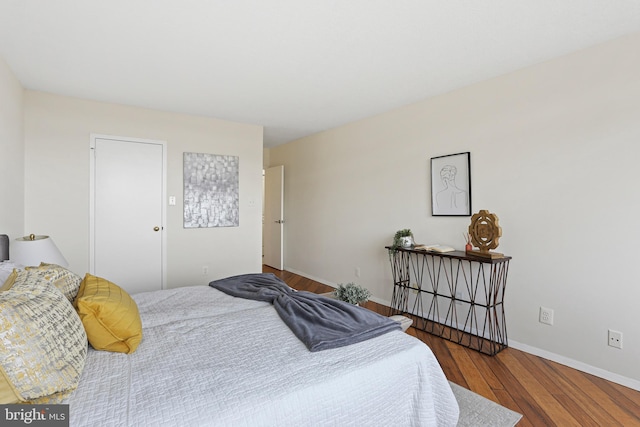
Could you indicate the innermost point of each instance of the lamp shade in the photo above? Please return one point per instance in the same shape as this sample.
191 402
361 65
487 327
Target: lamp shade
32 250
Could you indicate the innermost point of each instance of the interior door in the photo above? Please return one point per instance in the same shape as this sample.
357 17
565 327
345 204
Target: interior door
273 226
127 212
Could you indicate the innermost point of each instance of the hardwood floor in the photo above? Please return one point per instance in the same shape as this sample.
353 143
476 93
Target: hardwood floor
545 392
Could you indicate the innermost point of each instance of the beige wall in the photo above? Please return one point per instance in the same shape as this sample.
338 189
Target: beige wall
57 134
554 152
11 154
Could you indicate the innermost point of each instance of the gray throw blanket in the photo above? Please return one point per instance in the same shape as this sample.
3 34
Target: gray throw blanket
321 323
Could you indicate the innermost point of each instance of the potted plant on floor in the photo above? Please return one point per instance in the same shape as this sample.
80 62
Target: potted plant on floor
352 293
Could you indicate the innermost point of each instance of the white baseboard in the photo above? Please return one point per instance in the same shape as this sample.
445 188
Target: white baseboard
575 364
333 285
308 276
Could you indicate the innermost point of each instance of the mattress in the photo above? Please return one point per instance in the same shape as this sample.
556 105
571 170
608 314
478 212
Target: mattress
209 359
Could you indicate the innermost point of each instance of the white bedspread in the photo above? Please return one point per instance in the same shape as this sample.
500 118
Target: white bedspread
207 358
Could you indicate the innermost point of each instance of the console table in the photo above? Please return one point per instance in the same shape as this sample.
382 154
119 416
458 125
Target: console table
453 295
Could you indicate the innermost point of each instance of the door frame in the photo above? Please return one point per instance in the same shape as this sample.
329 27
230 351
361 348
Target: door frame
268 202
163 214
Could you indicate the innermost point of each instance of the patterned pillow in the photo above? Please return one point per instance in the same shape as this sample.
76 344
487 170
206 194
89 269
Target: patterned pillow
42 342
66 280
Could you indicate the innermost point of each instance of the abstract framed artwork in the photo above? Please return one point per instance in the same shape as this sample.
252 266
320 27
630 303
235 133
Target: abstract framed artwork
451 185
211 190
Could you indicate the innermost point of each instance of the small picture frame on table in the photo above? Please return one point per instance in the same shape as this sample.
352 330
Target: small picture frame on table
451 185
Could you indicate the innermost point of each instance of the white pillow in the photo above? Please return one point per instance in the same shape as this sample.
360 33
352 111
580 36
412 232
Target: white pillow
6 268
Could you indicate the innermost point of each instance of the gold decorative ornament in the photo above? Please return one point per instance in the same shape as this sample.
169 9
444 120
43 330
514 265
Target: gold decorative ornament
485 232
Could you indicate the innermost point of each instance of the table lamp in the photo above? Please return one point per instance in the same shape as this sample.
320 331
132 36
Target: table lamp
32 250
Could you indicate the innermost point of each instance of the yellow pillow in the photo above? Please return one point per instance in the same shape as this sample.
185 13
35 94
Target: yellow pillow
42 342
109 315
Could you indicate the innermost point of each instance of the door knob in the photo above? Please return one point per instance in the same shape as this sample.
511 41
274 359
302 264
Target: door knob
156 228
280 221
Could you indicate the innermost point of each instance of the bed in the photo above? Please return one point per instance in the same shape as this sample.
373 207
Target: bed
210 359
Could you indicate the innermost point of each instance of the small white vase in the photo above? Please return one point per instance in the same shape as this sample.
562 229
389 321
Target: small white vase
406 241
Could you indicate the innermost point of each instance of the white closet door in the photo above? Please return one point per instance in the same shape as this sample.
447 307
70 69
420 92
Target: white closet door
127 246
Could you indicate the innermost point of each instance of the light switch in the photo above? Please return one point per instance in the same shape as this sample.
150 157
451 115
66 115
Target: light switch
172 200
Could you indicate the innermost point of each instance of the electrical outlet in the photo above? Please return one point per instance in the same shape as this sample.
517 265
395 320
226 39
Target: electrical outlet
546 316
357 271
205 270
615 339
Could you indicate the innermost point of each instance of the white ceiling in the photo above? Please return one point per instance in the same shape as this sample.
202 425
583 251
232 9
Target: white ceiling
294 66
